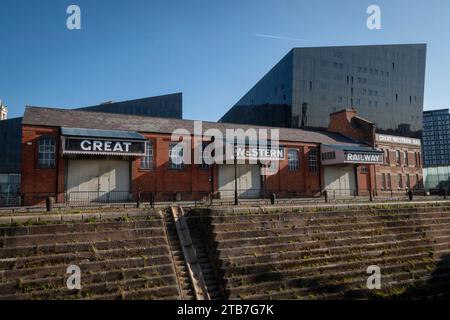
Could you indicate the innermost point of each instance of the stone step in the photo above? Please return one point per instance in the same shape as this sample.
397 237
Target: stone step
365 242
329 237
67 228
347 214
338 281
94 255
92 284
223 231
81 246
308 253
10 242
91 266
408 261
164 293
293 262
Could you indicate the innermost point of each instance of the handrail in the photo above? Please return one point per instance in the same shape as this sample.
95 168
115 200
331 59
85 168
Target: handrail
190 256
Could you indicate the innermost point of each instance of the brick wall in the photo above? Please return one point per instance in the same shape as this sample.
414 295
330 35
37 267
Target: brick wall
411 167
347 123
38 183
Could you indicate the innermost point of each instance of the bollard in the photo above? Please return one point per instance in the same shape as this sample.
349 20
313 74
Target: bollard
49 202
138 200
370 195
325 193
273 198
152 200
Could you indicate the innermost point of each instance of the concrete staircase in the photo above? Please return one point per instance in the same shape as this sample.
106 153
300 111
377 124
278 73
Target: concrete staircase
324 253
119 259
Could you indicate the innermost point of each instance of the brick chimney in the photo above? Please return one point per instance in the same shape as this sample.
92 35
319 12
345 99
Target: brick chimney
349 124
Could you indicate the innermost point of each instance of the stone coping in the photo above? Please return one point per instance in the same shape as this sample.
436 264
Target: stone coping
75 217
330 207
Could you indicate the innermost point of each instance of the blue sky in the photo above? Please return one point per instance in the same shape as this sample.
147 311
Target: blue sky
207 49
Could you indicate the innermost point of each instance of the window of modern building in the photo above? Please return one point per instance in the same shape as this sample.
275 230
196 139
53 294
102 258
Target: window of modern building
313 160
176 156
147 160
46 152
293 160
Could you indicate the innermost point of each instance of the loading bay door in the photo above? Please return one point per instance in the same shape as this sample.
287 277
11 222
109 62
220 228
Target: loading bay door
98 180
340 181
249 181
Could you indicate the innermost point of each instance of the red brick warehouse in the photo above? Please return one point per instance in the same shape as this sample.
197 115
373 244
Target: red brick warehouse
78 155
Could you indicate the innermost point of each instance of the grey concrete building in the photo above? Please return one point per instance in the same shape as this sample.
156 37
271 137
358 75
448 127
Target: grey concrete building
385 83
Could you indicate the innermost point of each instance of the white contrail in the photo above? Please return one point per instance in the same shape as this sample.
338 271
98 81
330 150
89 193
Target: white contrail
279 37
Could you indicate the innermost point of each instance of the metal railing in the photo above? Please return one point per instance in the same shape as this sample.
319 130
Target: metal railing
151 198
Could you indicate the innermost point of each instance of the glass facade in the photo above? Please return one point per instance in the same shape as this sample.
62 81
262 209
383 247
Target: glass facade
9 189
437 178
315 82
436 138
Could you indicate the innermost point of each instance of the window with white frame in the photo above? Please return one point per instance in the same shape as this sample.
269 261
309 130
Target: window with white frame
313 160
147 160
176 154
46 152
293 160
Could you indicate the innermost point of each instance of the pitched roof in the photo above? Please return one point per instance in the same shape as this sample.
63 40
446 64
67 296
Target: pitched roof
50 117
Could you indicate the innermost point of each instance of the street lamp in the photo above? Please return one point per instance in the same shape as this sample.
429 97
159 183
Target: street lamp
236 201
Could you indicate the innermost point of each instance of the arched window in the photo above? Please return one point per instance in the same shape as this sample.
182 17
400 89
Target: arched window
46 152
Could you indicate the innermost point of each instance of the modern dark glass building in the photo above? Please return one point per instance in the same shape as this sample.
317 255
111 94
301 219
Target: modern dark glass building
385 83
436 138
165 106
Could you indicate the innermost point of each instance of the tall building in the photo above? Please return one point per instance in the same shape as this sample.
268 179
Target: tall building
164 106
436 138
436 149
385 83
3 111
